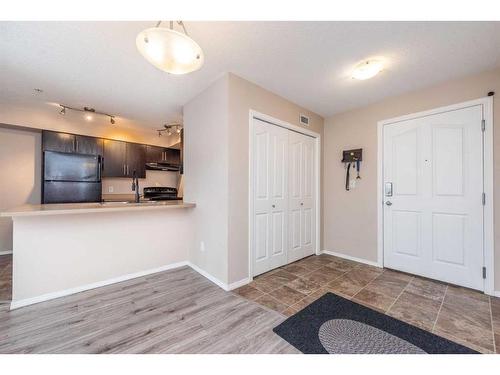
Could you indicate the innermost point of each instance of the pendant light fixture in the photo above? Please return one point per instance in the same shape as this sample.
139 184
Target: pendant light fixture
170 50
367 69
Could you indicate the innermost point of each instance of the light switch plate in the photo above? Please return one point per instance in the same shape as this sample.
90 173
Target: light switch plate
111 189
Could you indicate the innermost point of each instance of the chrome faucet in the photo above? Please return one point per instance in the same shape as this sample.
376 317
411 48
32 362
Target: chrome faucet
135 187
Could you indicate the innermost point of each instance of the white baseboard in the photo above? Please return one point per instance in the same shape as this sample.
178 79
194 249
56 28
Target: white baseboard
82 288
216 281
348 257
62 293
238 284
496 293
5 252
210 277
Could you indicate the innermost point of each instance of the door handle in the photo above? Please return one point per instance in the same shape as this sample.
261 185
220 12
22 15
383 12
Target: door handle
273 206
389 203
301 204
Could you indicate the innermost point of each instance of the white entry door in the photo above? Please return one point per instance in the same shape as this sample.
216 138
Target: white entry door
433 222
302 224
270 184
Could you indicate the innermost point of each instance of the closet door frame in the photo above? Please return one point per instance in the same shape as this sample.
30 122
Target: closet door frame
317 175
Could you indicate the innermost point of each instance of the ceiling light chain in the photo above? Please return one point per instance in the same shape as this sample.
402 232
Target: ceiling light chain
180 23
87 110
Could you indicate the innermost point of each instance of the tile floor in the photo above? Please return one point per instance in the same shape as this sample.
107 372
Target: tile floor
458 314
5 278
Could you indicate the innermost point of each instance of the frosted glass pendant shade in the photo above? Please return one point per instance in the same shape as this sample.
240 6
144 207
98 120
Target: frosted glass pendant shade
169 50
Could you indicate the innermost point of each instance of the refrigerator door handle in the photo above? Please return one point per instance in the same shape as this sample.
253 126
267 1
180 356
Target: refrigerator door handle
99 166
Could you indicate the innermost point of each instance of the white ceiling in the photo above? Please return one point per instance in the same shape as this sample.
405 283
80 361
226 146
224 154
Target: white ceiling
96 63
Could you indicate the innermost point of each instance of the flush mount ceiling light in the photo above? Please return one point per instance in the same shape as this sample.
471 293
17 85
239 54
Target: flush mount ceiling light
170 50
168 129
367 69
88 113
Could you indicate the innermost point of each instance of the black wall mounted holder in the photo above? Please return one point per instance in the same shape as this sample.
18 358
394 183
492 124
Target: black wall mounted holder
352 158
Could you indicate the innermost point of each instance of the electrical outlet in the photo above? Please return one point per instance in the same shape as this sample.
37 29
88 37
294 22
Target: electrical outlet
202 246
111 189
352 184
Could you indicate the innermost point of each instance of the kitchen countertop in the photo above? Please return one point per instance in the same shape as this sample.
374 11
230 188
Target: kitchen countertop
84 208
122 197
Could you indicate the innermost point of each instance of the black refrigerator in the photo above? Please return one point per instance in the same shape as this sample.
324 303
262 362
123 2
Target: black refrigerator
71 178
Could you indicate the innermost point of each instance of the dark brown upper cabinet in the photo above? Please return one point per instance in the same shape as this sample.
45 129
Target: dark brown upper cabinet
64 142
89 145
136 160
60 142
121 159
157 154
114 159
154 154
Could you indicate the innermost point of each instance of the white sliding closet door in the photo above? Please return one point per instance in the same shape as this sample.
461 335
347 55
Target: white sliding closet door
270 184
302 178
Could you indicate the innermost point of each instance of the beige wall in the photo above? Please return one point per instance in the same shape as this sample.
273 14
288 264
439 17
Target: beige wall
20 169
244 96
350 218
216 162
206 177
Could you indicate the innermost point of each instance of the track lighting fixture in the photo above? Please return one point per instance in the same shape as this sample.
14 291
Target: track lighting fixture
89 112
168 129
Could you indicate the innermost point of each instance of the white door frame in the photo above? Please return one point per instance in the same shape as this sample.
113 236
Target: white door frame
489 248
317 161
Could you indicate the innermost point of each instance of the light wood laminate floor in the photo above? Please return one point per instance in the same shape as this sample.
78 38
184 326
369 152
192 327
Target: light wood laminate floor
177 311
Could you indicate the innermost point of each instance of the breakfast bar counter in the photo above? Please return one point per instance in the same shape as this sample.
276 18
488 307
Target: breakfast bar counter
61 249
83 208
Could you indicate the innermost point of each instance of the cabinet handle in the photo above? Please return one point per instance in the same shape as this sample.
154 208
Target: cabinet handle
127 170
302 204
124 170
163 157
76 145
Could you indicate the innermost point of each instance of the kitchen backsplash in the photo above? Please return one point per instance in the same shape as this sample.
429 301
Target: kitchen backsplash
153 178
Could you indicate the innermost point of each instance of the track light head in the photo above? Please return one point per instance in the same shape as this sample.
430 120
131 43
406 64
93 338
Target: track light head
178 130
63 110
112 120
